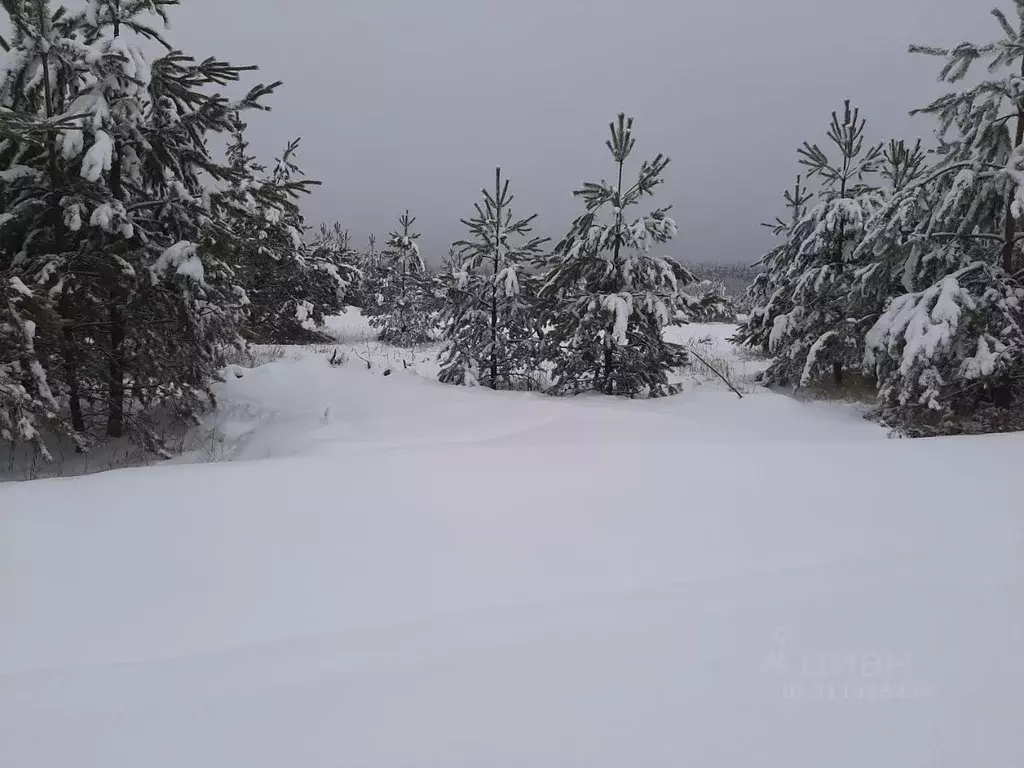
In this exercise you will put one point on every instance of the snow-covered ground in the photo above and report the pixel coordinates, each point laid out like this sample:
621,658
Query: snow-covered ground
391,572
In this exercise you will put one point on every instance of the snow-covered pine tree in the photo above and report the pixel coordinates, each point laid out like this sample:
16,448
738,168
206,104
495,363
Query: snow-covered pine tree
902,165
769,295
435,295
488,324
336,238
445,291
291,287
27,404
336,244
363,293
608,299
713,302
877,276
951,346
372,254
113,219
335,269
451,262
106,151
814,337
28,407
39,54
398,308
359,268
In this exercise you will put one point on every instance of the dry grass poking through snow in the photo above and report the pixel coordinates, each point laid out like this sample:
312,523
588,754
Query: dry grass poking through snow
255,355
713,355
708,360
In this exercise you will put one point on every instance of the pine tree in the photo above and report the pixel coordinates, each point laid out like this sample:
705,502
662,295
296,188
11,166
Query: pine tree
877,277
815,336
110,215
951,341
291,286
335,270
609,301
40,53
27,404
372,254
359,268
769,295
398,309
714,304
488,323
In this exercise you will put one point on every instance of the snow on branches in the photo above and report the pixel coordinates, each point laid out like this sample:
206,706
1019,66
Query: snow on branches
489,328
609,300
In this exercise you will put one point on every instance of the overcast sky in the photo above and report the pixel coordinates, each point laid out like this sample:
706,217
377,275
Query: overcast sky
411,103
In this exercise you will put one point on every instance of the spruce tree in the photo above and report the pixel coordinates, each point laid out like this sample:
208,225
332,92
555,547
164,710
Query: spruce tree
951,342
488,323
608,299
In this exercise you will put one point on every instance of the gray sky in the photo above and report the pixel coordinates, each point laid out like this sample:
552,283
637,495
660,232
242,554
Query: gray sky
411,103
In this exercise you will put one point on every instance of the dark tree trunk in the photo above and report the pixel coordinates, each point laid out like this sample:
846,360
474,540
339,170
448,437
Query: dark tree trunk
1002,396
609,356
401,303
837,374
69,348
69,351
494,341
115,414
494,278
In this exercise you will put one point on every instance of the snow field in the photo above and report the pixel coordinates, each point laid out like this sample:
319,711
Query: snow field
393,572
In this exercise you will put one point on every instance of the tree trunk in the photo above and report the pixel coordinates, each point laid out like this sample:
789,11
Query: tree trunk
69,348
116,394
69,351
401,303
405,268
494,339
837,374
115,414
609,356
494,279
